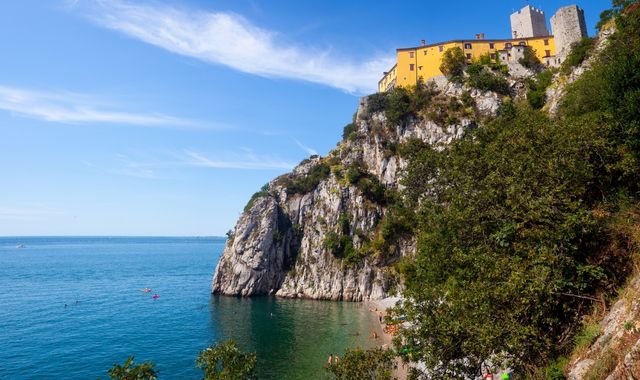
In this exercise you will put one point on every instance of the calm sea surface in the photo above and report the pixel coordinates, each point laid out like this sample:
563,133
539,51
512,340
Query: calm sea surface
71,307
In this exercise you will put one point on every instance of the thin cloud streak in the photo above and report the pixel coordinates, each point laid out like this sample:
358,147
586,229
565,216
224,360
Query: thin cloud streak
307,149
249,161
231,40
65,107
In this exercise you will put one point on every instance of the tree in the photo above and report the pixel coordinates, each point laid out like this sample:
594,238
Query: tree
530,59
453,63
129,371
618,6
358,364
225,361
504,229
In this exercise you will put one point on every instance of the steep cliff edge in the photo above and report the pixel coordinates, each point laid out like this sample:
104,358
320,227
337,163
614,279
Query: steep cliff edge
315,232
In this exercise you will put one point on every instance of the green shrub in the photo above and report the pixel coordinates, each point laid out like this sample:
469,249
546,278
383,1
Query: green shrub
555,369
372,364
536,89
399,106
485,80
340,243
603,366
225,361
366,183
608,14
530,59
129,371
264,191
349,131
453,63
302,184
376,103
579,52
587,335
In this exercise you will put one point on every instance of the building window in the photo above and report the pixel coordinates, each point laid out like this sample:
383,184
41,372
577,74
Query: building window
546,42
491,46
508,45
492,56
440,48
425,52
522,43
419,67
467,46
410,54
468,56
547,53
412,67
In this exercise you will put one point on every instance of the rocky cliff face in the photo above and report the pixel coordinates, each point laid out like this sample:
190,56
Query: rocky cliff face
285,242
615,354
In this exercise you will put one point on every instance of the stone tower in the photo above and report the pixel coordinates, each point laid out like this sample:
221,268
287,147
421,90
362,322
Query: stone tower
568,27
528,22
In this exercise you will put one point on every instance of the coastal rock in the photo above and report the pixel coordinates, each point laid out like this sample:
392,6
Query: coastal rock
282,243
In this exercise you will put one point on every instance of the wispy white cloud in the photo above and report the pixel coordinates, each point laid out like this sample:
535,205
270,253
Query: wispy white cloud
130,168
231,40
307,149
246,160
67,107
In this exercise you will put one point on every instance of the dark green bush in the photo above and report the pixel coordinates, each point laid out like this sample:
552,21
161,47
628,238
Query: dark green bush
376,103
264,191
485,80
349,131
368,184
372,364
453,63
530,59
302,184
579,52
536,89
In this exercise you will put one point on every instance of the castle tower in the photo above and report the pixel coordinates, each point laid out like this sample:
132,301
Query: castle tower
528,22
568,27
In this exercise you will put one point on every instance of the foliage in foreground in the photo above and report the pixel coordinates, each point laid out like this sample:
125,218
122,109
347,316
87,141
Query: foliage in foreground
372,364
225,361
512,223
131,371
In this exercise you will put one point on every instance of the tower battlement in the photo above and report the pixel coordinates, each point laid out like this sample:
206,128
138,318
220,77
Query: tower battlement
528,22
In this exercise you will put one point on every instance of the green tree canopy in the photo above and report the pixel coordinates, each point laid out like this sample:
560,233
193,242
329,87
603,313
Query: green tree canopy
358,364
131,371
453,63
225,361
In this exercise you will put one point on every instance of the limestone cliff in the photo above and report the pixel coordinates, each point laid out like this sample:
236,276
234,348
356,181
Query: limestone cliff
292,238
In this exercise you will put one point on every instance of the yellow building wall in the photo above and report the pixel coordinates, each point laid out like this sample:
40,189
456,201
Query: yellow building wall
388,80
424,61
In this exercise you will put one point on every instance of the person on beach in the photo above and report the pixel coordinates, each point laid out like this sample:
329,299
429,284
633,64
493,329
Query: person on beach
374,334
330,361
336,359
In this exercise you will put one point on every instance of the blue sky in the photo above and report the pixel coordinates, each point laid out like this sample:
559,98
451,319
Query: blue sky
162,118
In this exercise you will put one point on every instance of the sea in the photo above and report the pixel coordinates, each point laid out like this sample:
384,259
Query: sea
72,307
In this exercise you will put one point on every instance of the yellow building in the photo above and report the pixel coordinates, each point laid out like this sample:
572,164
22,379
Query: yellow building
423,62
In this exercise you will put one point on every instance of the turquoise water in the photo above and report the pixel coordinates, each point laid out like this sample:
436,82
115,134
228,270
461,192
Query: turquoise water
72,307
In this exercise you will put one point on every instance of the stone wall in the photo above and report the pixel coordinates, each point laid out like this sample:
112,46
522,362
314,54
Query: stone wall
528,22
568,27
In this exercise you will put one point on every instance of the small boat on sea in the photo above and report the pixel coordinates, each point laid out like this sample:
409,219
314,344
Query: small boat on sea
155,296
20,246
145,290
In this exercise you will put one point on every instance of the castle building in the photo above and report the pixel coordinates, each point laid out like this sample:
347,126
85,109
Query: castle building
528,22
528,27
568,27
